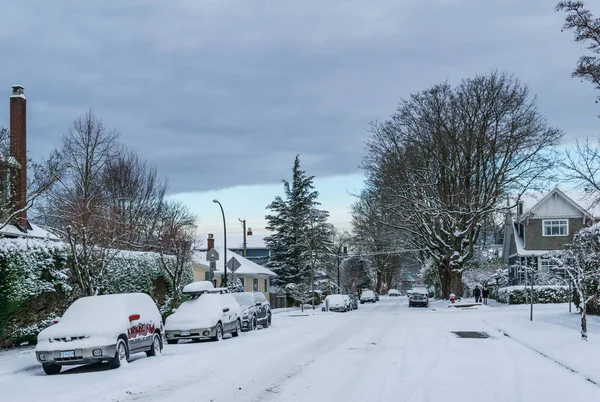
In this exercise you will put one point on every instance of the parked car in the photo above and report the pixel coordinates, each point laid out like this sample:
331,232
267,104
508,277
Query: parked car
336,303
256,310
107,328
419,296
367,296
348,302
353,301
393,293
209,314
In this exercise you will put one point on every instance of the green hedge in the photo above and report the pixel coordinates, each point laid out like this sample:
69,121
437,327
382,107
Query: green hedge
541,294
36,284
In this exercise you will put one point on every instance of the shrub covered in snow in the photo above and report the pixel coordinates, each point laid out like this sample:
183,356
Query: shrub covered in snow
541,294
36,284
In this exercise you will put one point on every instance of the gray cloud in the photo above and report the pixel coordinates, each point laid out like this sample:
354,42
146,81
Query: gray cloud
218,93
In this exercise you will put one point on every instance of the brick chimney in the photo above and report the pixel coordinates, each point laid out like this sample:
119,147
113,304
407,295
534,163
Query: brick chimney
211,242
18,150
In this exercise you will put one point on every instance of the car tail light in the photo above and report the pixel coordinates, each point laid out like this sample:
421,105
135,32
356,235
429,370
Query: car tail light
134,317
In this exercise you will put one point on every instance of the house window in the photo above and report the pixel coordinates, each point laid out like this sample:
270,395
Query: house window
255,284
547,266
266,285
559,227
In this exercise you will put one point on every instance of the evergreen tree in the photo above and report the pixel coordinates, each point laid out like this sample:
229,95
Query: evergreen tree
300,229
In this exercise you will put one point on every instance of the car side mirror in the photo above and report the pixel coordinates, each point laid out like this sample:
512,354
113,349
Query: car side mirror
134,317
56,320
225,309
258,304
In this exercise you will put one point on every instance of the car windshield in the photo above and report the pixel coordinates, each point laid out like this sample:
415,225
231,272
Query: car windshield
244,299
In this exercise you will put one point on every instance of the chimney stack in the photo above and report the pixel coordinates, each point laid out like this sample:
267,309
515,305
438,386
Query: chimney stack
211,242
18,150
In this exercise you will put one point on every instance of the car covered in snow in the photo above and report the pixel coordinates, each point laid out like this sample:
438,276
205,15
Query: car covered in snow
353,301
256,310
337,303
107,328
210,313
419,296
393,293
368,296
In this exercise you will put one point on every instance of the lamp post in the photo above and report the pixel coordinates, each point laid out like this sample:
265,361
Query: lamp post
338,263
224,283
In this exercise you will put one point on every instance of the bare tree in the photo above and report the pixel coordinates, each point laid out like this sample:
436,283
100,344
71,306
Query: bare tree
175,242
587,30
446,158
581,263
43,175
76,204
134,194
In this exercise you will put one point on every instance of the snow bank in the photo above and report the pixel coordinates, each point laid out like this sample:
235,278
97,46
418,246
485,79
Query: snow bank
541,294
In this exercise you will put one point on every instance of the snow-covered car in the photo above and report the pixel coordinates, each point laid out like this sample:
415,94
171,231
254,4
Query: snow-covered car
353,301
101,328
393,293
419,296
336,303
367,296
256,310
209,314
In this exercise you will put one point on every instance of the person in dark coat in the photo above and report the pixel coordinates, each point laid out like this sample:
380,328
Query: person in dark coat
476,293
485,293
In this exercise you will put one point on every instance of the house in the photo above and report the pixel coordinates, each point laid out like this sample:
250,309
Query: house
254,277
13,175
256,250
541,226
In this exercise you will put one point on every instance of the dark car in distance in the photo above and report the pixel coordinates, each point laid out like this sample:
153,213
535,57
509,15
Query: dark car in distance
256,310
419,296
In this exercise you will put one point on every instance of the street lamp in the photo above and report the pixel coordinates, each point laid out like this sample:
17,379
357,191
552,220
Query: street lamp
338,263
224,283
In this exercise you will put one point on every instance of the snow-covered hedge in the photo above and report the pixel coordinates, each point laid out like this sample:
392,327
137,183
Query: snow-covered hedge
36,284
541,294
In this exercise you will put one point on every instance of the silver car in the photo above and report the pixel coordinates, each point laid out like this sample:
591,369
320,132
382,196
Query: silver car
96,329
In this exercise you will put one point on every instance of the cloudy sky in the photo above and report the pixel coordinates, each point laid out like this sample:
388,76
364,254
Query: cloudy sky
222,94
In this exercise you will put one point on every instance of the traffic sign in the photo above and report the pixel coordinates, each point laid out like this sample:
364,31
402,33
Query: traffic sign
212,255
233,264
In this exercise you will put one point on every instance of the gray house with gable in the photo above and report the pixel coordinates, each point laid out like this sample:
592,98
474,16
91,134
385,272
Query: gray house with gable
541,226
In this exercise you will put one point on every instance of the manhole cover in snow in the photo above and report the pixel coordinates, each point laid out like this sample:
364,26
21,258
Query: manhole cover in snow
471,334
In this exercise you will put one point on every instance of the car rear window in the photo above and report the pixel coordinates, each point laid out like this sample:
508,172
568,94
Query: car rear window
244,299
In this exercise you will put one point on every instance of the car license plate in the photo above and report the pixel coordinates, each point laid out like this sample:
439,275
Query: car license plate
185,333
67,353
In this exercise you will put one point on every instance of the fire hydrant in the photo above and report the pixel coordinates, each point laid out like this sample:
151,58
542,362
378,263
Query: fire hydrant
452,298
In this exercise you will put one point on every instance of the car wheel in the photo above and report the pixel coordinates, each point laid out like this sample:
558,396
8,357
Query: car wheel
156,347
219,335
51,369
238,329
254,323
172,341
120,355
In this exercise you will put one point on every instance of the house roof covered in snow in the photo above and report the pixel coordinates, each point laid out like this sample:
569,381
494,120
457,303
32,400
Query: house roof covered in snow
247,267
586,202
35,232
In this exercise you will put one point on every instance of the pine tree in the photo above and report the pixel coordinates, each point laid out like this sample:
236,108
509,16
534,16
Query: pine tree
300,229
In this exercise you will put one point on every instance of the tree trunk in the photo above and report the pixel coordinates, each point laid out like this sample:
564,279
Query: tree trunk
378,283
583,320
457,285
445,280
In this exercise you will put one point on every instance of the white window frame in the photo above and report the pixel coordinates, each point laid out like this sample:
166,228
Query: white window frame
546,265
550,223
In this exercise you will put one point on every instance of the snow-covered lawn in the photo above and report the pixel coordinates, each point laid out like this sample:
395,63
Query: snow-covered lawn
380,352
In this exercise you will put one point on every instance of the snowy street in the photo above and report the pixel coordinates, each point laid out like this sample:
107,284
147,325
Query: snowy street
380,352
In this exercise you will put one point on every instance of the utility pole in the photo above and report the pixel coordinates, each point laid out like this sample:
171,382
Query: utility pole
224,281
244,227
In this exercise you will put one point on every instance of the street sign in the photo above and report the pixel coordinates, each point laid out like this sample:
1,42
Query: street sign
212,255
233,264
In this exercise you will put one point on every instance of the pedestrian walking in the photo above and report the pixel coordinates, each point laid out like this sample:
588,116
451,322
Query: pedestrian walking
476,293
485,293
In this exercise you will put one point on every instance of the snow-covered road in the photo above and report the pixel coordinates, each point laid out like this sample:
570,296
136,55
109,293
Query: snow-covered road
381,352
